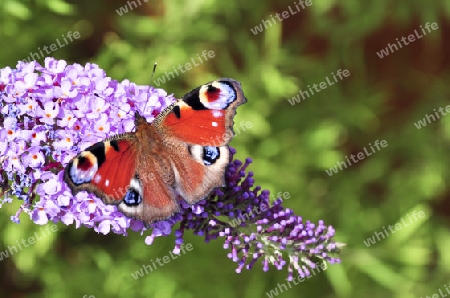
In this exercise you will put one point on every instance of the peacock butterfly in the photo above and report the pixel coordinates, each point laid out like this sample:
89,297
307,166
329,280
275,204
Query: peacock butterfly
182,152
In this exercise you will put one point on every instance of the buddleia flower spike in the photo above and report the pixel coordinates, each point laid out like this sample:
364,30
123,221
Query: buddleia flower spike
49,113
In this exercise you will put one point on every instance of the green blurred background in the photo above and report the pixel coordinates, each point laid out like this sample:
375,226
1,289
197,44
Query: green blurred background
291,146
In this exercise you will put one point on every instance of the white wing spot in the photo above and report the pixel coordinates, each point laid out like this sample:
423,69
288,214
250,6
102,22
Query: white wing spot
217,114
97,178
107,182
214,124
91,174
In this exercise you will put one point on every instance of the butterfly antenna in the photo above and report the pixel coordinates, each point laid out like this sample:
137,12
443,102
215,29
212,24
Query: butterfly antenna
153,72
151,81
96,95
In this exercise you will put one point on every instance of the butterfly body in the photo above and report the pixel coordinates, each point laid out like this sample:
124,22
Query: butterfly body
182,152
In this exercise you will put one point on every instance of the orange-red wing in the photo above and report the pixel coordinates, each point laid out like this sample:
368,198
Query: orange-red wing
114,175
104,169
205,115
202,127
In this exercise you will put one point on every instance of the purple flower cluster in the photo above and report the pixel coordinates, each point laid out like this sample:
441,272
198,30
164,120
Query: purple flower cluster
255,229
49,113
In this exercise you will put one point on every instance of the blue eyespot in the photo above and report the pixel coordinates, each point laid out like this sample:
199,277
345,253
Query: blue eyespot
132,197
210,155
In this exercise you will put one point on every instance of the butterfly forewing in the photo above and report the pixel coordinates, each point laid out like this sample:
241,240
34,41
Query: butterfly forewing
205,115
106,168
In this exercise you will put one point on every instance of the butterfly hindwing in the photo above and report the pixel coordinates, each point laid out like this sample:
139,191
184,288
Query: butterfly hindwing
198,169
149,196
